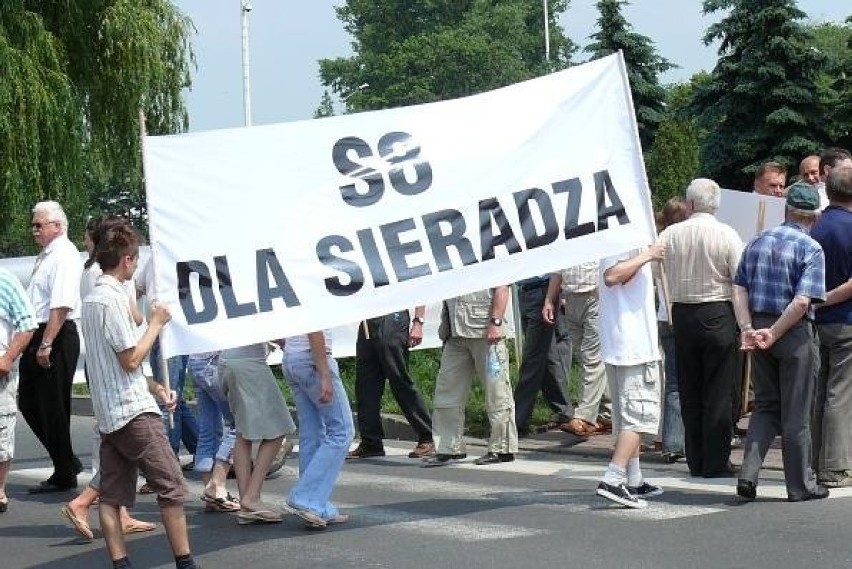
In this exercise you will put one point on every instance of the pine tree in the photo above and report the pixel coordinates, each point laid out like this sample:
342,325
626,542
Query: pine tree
763,101
644,65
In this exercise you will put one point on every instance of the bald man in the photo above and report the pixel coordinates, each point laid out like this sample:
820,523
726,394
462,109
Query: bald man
809,169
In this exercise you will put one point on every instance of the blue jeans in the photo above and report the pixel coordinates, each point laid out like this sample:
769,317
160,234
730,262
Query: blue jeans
213,409
672,421
325,433
186,427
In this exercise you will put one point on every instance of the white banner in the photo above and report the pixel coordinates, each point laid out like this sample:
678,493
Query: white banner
277,230
750,213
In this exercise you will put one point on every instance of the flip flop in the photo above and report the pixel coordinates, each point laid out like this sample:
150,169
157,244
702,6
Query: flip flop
338,519
82,526
138,526
4,505
214,504
313,520
245,517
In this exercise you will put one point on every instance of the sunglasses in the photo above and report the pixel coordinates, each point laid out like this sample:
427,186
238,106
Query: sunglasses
37,225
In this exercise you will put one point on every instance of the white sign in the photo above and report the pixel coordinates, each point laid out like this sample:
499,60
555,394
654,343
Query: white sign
742,211
278,230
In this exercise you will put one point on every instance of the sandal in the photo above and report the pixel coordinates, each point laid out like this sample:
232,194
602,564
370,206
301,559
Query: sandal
258,517
311,519
215,504
80,525
138,526
4,505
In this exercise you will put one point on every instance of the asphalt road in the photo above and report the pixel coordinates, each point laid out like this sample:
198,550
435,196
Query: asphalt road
539,511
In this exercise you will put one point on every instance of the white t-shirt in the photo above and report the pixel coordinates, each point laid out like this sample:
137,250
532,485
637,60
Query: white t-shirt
628,323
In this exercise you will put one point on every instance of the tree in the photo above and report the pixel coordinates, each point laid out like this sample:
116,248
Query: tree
673,160
763,101
835,42
326,106
73,77
419,51
643,63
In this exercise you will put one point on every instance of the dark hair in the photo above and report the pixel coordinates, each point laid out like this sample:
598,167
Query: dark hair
831,156
116,241
96,227
675,211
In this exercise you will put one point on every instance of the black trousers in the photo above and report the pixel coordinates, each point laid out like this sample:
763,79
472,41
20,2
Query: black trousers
44,398
707,364
385,356
540,361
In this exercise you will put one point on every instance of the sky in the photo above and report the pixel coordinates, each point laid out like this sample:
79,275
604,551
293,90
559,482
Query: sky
288,38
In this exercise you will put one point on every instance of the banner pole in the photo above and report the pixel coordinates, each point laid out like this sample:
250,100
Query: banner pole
163,363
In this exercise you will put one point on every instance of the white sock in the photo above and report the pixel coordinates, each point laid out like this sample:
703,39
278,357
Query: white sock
614,475
634,473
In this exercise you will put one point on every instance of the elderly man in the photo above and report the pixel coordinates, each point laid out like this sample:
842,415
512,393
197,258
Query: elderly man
472,332
49,362
17,324
781,274
832,439
832,157
770,179
702,259
809,169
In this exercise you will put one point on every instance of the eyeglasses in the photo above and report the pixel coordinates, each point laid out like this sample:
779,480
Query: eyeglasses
37,225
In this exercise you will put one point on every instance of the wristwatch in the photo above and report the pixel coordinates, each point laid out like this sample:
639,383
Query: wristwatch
497,321
418,320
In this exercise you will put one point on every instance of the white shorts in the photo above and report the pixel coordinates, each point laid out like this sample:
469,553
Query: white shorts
7,436
635,392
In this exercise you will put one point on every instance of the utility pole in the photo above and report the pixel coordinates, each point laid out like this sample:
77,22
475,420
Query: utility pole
546,31
245,8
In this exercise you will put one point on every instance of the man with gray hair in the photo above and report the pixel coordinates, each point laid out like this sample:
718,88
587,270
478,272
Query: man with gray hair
48,364
832,437
700,264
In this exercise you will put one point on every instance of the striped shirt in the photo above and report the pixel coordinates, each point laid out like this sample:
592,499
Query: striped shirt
779,264
118,396
702,255
580,278
16,315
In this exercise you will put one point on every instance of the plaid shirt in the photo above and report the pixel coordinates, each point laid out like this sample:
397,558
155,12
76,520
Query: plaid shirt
779,264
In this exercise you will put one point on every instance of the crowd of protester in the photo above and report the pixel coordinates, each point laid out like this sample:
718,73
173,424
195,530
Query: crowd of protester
665,336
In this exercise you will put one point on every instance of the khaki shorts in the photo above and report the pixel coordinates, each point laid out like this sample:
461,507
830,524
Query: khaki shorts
635,392
140,443
7,436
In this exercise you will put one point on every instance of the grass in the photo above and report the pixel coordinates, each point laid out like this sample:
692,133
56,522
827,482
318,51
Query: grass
423,366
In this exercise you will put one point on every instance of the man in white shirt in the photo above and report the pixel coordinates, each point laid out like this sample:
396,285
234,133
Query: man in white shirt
48,364
629,348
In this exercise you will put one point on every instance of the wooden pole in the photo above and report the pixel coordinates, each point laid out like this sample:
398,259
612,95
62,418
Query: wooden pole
746,382
163,363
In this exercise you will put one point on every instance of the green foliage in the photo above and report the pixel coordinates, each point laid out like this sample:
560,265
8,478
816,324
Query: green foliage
643,63
764,99
418,51
326,106
673,160
835,41
73,77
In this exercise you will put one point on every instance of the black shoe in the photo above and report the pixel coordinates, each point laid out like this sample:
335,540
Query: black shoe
77,466
494,458
441,459
821,492
646,490
49,487
746,489
673,457
621,495
362,451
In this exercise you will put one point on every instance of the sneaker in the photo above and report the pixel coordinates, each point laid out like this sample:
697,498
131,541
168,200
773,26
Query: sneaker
362,451
835,478
645,490
280,457
423,450
621,495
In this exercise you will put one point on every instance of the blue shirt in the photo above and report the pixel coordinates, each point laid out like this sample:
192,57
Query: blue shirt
834,232
779,264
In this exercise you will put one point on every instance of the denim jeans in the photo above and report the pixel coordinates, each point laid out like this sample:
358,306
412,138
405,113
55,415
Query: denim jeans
325,433
672,421
213,409
186,427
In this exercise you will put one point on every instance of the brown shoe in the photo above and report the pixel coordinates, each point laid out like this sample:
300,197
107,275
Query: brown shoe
362,451
604,426
577,426
423,450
